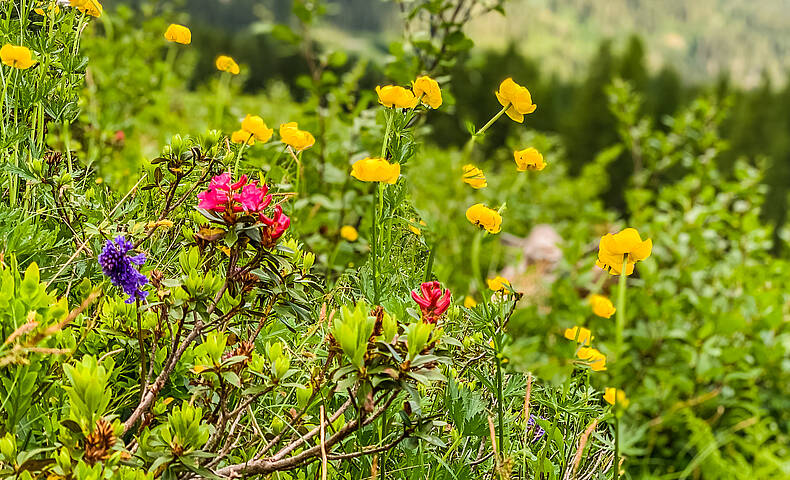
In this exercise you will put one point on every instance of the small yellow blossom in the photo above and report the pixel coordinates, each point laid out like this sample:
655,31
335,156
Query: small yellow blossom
349,233
529,159
395,96
584,335
16,56
498,283
474,177
469,302
609,396
375,170
53,9
602,306
427,91
297,139
594,358
227,64
517,98
240,136
485,217
88,7
178,34
626,244
414,229
253,124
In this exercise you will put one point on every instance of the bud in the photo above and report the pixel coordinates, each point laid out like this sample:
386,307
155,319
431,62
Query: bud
277,425
307,262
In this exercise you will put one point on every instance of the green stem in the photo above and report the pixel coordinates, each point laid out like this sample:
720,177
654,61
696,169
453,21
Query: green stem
376,248
500,402
429,264
620,327
222,97
386,141
491,122
238,155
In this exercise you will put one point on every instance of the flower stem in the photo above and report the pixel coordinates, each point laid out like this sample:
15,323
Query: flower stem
386,141
491,122
238,155
375,248
619,327
499,399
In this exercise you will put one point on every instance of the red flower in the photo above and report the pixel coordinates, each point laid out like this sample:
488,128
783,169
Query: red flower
432,300
224,196
275,226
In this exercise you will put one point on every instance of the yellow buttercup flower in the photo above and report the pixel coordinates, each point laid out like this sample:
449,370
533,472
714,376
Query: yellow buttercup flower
602,306
584,335
594,358
178,34
397,97
375,170
349,233
613,248
253,124
529,159
469,302
240,136
53,8
225,63
414,229
297,139
474,177
16,56
485,217
88,7
610,394
427,91
498,283
516,98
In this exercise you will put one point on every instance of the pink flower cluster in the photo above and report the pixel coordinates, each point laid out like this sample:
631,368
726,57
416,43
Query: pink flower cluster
230,198
432,300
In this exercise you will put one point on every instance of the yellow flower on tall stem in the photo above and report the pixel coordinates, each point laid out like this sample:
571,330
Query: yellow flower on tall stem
393,96
625,247
498,283
375,170
18,57
616,396
88,7
297,139
255,126
349,233
593,357
427,91
579,334
225,63
474,177
240,136
516,100
178,34
529,159
602,306
485,217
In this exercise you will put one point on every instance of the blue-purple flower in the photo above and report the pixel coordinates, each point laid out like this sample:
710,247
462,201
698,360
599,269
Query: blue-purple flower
120,267
538,431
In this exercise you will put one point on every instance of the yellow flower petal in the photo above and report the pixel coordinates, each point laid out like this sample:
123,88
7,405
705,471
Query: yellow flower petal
376,170
178,34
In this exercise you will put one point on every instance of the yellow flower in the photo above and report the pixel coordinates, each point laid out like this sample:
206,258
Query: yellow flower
16,57
469,302
626,244
414,229
297,139
485,217
517,98
349,233
240,136
584,335
88,7
427,91
227,64
497,283
595,358
253,124
529,159
375,170
398,97
602,306
474,177
609,396
178,34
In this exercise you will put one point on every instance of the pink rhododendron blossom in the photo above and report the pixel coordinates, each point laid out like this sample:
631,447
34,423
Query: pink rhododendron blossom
275,226
224,196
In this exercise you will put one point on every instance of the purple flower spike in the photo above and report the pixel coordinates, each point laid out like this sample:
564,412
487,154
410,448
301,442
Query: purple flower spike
116,264
539,432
